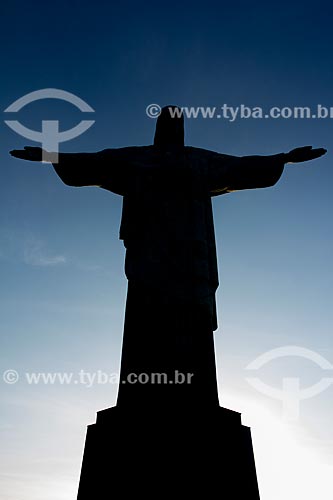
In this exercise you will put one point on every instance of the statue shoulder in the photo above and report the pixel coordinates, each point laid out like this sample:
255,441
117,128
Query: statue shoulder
205,155
132,155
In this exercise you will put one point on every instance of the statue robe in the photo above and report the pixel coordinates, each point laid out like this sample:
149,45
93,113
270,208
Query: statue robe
168,231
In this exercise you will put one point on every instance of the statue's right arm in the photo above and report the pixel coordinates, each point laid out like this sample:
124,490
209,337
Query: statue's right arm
109,169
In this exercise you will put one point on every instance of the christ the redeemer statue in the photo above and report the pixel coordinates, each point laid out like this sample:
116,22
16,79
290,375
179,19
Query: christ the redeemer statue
171,266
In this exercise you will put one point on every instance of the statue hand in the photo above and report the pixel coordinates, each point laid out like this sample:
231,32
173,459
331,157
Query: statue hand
304,154
28,153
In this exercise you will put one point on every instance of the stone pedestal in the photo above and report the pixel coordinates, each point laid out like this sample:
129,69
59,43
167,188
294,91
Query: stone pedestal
176,454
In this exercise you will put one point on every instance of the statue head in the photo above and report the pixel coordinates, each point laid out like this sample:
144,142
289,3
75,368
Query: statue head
169,131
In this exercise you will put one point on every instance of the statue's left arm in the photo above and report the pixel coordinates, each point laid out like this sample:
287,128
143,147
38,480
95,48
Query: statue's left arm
231,173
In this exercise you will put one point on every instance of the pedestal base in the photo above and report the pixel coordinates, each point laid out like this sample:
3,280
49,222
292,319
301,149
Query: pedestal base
174,453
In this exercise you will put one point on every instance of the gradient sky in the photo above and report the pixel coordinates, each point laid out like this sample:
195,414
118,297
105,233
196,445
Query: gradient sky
62,283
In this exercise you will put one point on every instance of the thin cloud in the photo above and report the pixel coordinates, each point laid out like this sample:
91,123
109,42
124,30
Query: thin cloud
25,246
35,254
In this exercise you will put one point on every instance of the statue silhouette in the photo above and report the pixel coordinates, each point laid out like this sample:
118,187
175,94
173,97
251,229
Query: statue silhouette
168,231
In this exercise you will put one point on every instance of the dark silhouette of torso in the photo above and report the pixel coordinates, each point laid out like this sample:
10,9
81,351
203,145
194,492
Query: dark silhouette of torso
168,231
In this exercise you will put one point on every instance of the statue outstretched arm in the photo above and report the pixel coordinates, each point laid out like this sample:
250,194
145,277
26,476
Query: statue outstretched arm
232,173
109,169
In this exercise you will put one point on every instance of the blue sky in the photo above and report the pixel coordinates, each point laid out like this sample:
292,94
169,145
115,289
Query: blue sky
62,283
